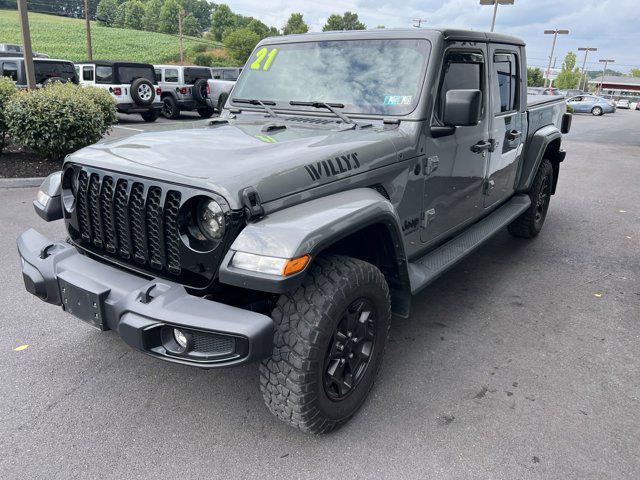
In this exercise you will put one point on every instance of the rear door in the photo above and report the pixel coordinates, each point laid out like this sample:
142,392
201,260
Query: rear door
454,169
507,123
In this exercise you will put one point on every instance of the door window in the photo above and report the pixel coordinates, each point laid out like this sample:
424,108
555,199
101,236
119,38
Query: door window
171,75
505,67
10,69
104,74
158,74
462,70
87,74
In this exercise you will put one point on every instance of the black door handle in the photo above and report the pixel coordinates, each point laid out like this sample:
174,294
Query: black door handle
483,145
513,135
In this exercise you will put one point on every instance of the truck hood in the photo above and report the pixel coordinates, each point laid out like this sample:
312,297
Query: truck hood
228,157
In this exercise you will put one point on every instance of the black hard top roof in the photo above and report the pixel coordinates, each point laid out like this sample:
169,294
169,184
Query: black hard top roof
427,33
115,63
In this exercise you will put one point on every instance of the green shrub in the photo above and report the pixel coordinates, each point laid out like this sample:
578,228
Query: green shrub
104,101
57,120
209,59
7,90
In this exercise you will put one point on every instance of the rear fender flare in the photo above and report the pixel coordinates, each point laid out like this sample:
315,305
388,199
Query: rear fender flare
537,147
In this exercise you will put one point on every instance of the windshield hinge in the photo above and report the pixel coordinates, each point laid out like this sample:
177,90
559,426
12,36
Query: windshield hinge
251,202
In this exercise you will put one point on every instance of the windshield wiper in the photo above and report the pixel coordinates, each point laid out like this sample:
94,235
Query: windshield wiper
329,106
263,103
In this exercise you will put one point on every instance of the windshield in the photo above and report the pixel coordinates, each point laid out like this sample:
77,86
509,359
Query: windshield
46,70
366,76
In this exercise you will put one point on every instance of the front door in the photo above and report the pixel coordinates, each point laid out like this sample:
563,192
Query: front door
454,170
507,123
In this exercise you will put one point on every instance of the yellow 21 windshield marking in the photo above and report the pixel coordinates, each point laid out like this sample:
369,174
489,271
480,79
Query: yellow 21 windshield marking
261,54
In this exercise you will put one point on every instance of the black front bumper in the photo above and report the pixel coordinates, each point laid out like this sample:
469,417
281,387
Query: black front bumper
142,310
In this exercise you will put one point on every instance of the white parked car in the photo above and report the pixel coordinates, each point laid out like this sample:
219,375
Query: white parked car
131,84
183,88
623,103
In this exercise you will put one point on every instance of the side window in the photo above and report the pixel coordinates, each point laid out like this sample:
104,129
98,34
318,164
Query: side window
171,75
158,74
229,75
505,69
87,73
104,74
10,69
216,73
461,71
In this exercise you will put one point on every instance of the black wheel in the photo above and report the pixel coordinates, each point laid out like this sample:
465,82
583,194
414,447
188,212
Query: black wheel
222,101
328,344
150,116
529,224
200,91
205,112
142,92
170,107
596,111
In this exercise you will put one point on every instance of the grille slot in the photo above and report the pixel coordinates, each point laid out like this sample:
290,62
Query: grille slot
130,221
213,344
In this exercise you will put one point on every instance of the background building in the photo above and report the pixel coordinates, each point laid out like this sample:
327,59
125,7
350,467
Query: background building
617,87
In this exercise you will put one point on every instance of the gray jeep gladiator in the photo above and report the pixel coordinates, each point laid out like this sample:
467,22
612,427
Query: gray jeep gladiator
347,172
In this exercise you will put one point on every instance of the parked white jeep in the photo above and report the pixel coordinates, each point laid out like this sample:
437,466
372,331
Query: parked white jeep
183,88
132,85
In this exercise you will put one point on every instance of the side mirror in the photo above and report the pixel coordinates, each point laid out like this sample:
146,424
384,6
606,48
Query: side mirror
462,108
48,203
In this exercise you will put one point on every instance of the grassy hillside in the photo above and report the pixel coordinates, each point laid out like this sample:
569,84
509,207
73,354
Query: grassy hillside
62,37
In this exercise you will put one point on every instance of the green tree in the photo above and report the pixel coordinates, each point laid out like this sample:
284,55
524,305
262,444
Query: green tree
295,24
169,16
151,19
635,72
201,10
534,77
380,26
134,14
273,32
240,43
222,20
120,16
334,22
258,28
106,11
569,74
190,26
351,22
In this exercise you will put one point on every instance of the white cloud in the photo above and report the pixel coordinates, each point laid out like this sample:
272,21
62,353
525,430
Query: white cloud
610,25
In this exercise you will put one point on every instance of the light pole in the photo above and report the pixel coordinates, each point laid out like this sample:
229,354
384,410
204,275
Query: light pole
586,50
606,61
418,22
495,8
26,45
555,34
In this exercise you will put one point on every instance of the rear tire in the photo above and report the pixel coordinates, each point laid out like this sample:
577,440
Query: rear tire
150,116
597,111
529,224
328,344
170,108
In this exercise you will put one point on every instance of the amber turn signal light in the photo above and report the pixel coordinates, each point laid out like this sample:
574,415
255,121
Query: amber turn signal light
295,265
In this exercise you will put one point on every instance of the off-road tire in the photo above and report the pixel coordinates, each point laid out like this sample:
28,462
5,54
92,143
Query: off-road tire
199,90
135,94
292,380
170,108
529,224
597,111
222,101
205,112
150,116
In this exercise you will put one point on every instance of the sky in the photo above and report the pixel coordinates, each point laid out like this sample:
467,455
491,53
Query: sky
612,26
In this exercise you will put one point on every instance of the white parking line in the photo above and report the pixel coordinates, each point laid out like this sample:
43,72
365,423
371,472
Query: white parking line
128,128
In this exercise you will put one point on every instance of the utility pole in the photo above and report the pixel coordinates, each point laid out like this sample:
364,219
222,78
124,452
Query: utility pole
586,50
555,34
418,22
180,15
26,45
606,61
495,8
88,25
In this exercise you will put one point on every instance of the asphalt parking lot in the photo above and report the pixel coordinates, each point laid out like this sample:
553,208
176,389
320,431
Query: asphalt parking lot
521,363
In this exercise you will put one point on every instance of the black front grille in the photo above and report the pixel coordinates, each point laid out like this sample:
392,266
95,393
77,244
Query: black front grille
213,344
134,221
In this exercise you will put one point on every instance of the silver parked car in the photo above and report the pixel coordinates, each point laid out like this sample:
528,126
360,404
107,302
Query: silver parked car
591,104
623,103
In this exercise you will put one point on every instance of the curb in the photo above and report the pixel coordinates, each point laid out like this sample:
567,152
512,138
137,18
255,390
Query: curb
21,182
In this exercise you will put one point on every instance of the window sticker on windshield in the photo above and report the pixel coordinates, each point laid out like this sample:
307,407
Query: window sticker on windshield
263,59
398,99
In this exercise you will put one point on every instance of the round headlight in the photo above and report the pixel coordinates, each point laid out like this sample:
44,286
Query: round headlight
211,219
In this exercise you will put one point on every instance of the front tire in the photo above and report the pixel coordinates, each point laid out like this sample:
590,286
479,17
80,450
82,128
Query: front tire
328,344
529,224
597,111
205,112
150,116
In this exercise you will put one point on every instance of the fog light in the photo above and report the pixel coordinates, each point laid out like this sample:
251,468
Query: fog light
180,337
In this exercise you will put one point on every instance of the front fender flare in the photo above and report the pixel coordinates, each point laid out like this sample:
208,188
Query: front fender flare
309,228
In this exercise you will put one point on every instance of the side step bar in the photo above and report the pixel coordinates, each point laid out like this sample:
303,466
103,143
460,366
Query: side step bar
426,269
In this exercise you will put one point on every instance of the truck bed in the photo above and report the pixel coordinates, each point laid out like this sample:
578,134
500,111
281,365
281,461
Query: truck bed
536,100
